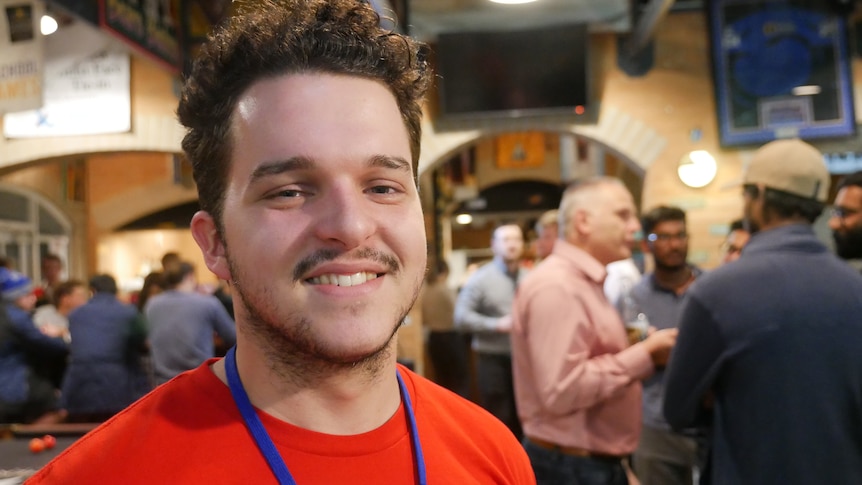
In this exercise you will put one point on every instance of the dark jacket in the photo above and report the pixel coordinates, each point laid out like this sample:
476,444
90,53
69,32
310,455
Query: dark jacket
21,344
776,338
104,374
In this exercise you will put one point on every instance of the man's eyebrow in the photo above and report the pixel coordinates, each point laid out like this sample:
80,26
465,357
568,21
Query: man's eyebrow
304,163
280,166
386,161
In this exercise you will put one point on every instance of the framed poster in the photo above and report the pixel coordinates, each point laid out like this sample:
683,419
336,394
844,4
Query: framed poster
781,70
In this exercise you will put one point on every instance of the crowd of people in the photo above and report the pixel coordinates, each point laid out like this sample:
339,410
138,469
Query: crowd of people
72,351
666,407
746,374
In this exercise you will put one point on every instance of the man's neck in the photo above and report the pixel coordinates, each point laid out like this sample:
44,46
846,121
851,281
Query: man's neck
346,402
512,267
676,280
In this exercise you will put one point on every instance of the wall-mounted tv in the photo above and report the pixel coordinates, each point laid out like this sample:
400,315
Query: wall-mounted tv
514,73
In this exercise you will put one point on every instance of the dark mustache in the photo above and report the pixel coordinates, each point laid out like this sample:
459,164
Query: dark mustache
324,255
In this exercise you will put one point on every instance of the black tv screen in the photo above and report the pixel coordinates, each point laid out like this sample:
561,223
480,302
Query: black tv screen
513,73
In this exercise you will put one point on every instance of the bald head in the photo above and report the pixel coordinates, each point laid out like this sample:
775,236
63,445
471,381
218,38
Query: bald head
598,215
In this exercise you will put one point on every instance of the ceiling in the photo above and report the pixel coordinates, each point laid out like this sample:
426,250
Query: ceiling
427,18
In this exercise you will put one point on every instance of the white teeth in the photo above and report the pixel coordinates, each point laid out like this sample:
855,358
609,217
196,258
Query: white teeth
343,280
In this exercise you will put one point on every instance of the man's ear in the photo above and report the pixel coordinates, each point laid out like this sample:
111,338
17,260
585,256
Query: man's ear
206,234
581,222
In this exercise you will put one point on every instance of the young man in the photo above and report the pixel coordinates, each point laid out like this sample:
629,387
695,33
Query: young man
182,322
846,220
304,128
768,347
484,307
577,379
663,457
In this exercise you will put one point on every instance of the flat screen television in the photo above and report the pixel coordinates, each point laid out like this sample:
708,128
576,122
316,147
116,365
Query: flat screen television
513,73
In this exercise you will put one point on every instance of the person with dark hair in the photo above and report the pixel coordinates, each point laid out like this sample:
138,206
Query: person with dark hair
304,122
104,374
846,219
154,283
52,275
170,260
183,324
53,320
446,346
768,347
663,457
738,234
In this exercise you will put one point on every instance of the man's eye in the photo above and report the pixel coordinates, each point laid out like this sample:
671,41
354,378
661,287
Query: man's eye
288,193
382,189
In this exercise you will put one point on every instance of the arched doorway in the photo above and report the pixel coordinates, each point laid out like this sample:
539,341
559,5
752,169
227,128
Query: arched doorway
30,228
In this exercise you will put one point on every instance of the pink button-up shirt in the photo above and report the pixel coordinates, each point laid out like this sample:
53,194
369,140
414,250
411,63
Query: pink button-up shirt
577,380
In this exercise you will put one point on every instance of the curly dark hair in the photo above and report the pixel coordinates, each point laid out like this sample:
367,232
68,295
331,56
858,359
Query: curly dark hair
269,38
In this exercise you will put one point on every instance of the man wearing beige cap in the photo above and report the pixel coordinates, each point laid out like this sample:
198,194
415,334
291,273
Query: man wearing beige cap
768,349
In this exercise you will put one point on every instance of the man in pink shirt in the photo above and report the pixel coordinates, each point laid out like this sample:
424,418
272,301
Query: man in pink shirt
577,378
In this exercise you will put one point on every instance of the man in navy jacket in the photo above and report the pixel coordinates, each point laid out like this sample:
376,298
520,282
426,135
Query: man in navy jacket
769,345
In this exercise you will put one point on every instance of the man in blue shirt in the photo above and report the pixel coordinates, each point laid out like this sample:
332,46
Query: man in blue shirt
663,457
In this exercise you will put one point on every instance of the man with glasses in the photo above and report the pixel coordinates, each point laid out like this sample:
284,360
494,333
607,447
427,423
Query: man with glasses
768,349
737,237
846,220
663,457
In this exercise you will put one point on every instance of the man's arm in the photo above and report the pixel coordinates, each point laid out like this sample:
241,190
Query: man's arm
560,337
693,367
467,316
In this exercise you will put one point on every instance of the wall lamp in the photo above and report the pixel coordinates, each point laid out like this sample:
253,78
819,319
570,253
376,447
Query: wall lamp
697,168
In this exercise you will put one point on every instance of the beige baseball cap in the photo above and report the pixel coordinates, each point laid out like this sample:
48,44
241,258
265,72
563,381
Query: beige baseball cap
791,166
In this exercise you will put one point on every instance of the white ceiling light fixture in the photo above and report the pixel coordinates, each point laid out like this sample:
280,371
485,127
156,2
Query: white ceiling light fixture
697,168
48,25
512,2
464,219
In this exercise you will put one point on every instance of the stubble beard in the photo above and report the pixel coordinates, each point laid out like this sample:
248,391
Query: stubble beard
848,245
289,343
661,265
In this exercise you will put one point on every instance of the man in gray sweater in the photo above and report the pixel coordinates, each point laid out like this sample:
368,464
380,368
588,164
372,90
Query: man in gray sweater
484,307
182,324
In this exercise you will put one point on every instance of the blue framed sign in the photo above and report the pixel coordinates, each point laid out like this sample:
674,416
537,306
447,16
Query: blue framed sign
781,70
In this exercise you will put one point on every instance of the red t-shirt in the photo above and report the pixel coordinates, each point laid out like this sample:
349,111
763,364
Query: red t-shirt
190,431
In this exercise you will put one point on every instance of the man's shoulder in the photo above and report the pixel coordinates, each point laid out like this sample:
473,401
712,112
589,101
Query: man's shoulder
168,420
450,412
476,439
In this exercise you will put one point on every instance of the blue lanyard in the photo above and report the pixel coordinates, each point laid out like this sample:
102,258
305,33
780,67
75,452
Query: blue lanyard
267,447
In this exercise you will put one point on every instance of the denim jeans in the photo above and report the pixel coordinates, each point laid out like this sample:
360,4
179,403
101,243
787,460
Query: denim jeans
555,468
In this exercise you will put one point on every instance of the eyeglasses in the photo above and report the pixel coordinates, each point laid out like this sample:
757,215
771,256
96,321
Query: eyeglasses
728,248
663,237
843,212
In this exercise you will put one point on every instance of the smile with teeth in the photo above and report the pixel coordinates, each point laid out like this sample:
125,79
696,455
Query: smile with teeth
342,280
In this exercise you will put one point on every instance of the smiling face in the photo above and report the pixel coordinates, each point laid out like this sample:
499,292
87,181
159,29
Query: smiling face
324,237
